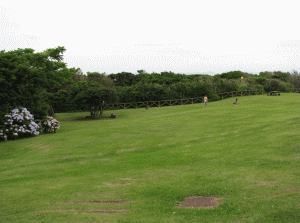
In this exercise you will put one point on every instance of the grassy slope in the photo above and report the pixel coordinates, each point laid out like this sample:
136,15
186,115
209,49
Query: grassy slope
150,160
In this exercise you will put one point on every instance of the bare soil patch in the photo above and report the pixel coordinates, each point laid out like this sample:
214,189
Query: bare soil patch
100,201
125,150
265,183
92,194
200,202
104,211
84,212
133,179
116,184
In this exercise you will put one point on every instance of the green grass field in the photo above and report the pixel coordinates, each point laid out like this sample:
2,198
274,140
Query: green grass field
141,165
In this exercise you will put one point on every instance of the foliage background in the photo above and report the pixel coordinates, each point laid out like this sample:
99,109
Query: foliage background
40,80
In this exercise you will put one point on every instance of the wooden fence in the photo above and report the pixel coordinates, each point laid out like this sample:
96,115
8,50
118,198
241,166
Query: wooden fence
147,104
240,93
295,90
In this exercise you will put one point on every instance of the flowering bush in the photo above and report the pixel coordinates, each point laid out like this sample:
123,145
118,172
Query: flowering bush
50,125
19,124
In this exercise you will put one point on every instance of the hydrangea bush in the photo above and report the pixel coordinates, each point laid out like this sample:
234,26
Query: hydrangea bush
50,125
19,124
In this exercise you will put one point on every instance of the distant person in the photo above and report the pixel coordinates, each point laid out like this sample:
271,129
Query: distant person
235,101
205,99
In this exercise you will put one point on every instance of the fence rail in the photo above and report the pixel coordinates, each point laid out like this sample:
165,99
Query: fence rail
295,90
147,104
240,93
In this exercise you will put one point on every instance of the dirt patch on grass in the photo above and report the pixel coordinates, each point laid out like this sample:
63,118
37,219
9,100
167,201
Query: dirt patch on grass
200,202
100,201
125,150
103,211
133,179
93,194
83,212
82,156
116,184
265,183
54,211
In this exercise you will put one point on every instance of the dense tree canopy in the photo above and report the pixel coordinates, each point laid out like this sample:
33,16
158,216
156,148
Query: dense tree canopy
26,77
40,80
95,95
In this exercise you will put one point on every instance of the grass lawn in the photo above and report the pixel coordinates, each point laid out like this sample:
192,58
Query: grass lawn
141,165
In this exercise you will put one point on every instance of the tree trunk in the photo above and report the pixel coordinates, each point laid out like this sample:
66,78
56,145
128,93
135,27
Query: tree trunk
91,110
101,111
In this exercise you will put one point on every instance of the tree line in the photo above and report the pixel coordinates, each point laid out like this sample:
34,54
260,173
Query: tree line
40,81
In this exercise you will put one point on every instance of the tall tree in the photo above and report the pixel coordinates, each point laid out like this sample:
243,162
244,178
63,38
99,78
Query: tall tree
232,74
122,79
26,77
95,95
100,78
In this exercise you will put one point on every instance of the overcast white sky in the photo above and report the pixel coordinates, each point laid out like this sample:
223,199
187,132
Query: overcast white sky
185,36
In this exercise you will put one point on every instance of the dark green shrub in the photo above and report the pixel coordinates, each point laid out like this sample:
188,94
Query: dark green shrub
213,97
242,87
258,86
